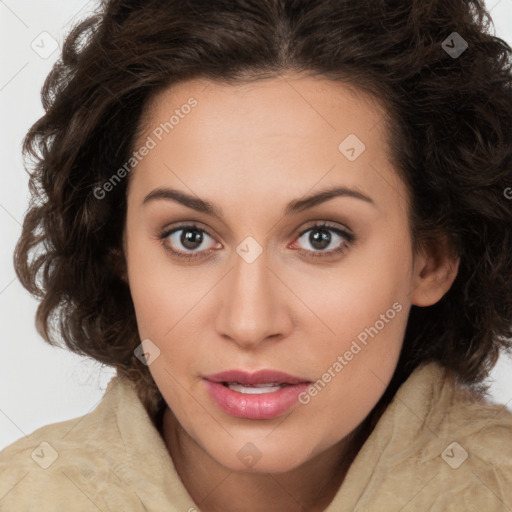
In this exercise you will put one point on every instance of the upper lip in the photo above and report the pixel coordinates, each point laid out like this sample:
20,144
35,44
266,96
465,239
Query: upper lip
259,377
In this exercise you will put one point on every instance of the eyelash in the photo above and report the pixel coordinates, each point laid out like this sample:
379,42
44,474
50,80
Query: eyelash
349,240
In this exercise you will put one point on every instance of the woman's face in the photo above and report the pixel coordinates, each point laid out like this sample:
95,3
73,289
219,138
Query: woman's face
264,289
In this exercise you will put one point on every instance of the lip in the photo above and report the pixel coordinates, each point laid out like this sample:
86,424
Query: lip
259,377
262,406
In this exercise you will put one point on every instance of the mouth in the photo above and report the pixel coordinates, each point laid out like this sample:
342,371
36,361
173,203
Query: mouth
265,394
254,389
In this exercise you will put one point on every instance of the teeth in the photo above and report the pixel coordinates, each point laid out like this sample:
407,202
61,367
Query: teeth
255,389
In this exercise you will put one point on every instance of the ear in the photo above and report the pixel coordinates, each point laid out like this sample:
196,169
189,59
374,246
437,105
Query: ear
435,268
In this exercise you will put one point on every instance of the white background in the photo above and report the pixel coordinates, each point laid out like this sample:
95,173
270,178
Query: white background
40,384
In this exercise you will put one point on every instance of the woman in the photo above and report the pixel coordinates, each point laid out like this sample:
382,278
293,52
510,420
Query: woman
286,224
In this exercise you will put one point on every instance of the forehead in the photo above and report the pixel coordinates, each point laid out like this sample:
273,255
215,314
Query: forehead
270,106
291,131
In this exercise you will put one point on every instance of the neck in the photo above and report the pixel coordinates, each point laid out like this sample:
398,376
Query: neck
310,487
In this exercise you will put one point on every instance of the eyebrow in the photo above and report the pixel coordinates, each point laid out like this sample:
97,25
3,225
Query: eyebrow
294,206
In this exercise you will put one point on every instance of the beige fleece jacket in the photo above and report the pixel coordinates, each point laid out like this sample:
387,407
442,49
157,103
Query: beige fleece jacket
436,448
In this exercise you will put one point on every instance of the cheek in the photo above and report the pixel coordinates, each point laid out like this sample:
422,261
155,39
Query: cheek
161,291
365,306
163,299
352,297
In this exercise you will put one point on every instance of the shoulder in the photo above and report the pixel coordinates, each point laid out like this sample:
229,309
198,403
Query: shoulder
464,450
438,446
484,427
471,451
71,465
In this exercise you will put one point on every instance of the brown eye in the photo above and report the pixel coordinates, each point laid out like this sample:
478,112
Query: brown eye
187,241
322,236
191,238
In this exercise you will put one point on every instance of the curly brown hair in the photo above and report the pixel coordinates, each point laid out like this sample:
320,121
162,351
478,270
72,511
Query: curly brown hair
449,126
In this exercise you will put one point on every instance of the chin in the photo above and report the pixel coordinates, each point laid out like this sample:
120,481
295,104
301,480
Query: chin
260,457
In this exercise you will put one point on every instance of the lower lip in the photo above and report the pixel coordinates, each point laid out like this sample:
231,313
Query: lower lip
254,407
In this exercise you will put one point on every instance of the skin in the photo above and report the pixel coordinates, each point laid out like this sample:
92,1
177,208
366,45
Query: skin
250,149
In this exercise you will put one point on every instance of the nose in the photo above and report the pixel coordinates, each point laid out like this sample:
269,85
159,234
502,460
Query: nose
253,309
